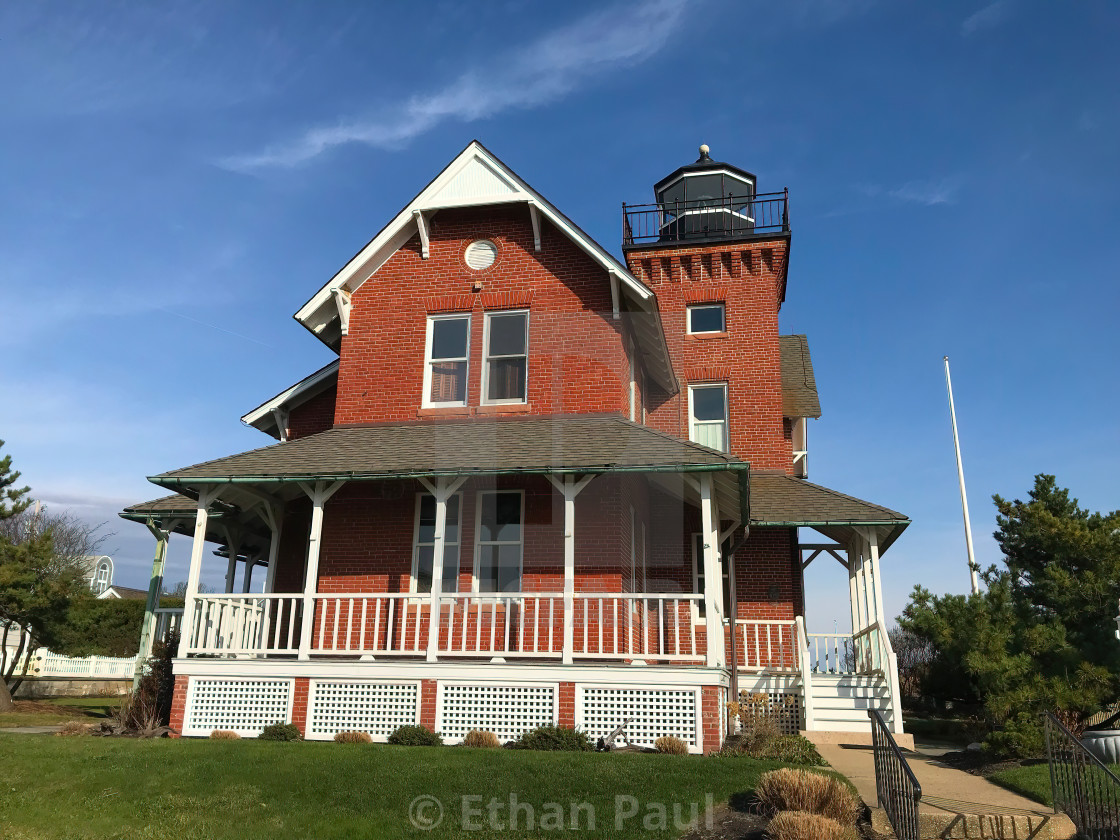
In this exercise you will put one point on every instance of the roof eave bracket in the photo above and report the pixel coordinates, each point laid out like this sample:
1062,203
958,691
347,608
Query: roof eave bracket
342,303
422,229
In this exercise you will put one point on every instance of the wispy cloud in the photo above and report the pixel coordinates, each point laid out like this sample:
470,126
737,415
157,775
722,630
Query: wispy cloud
929,193
988,17
543,71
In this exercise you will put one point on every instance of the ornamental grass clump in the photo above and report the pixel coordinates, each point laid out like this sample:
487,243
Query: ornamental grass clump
800,790
670,745
224,735
280,732
482,739
352,738
75,727
414,736
801,825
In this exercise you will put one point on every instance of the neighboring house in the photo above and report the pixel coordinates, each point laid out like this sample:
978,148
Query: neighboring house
126,593
98,572
536,486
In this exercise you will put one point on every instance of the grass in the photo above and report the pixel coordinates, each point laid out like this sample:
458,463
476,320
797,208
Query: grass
110,788
1029,780
58,710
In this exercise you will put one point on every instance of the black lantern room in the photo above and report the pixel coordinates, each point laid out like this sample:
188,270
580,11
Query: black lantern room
706,200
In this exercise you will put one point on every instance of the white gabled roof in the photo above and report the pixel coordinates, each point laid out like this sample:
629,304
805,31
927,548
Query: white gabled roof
262,417
474,178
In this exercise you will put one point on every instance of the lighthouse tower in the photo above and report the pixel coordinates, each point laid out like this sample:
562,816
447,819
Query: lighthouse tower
716,253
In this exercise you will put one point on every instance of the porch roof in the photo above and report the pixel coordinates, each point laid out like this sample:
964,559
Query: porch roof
176,513
778,499
478,446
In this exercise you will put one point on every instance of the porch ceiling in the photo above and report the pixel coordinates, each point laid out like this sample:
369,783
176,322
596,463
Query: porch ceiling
177,513
777,499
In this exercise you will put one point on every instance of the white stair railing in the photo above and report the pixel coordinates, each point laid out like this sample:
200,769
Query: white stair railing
806,674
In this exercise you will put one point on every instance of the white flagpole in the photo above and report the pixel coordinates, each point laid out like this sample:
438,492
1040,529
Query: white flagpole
964,496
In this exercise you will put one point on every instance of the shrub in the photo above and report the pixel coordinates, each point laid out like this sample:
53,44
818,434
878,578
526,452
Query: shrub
794,749
352,738
224,735
1019,737
75,727
280,732
800,825
554,738
415,736
481,738
671,746
800,790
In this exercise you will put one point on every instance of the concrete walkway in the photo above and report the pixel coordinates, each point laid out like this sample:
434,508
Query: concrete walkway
30,730
954,804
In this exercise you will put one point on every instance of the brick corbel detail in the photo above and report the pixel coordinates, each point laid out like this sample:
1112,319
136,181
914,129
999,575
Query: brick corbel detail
710,292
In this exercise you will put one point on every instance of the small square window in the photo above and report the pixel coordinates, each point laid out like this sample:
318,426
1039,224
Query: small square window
706,318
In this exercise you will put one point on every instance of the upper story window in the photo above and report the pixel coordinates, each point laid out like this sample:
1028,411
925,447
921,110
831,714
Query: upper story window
101,578
424,541
707,415
505,368
500,537
445,366
707,318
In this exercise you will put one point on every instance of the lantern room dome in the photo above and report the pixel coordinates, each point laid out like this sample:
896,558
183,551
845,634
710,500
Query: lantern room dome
704,180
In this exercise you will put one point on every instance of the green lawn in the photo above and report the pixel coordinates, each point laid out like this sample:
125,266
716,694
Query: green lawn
58,710
1031,781
107,788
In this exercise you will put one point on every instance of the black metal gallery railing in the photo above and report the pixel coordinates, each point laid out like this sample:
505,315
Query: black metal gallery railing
1082,785
705,219
895,783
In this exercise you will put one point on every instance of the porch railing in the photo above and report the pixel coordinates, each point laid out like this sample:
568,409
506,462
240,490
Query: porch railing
245,624
637,626
859,653
767,645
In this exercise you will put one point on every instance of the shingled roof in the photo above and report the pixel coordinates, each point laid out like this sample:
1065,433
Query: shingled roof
799,388
780,499
567,443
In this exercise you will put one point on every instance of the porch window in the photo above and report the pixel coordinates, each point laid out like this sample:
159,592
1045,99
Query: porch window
424,547
706,318
505,370
445,368
698,575
500,537
707,412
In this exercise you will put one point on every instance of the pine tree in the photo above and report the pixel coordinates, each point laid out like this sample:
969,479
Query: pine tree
13,499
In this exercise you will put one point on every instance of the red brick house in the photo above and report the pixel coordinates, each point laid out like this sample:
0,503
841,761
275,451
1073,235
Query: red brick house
535,486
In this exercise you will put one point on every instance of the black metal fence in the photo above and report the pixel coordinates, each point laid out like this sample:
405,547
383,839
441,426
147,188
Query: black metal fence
897,786
1081,784
705,219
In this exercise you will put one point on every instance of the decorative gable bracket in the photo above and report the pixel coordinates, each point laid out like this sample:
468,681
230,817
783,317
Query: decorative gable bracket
342,301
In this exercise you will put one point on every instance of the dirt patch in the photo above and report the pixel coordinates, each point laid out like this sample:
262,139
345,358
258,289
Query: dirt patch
728,823
979,763
41,707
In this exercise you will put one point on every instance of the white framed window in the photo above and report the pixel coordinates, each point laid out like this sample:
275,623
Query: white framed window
445,360
707,415
424,543
500,538
102,577
698,577
707,318
505,364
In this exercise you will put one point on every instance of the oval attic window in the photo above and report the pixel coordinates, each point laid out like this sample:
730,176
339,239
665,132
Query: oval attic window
481,254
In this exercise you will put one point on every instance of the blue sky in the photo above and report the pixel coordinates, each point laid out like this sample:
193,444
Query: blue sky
178,178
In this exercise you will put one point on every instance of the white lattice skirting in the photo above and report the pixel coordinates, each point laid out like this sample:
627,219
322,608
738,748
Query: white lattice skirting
506,710
653,713
356,706
245,706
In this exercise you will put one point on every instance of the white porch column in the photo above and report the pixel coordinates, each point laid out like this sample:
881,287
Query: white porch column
441,491
233,543
713,574
206,497
569,488
878,612
319,494
247,583
274,518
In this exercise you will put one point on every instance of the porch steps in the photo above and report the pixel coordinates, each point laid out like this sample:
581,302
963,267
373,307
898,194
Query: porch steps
841,701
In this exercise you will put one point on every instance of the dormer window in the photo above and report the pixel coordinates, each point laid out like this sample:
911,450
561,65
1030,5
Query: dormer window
505,368
445,368
102,576
706,318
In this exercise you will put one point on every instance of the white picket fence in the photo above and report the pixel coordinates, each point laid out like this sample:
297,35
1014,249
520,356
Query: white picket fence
47,664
